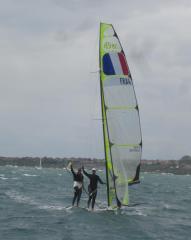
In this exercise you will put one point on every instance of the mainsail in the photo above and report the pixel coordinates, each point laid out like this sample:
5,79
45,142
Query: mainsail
120,114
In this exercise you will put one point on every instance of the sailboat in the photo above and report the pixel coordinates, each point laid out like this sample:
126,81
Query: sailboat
40,164
120,118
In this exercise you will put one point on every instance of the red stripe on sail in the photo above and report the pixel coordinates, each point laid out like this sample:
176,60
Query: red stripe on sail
123,63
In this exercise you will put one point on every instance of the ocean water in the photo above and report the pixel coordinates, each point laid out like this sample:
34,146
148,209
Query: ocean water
34,205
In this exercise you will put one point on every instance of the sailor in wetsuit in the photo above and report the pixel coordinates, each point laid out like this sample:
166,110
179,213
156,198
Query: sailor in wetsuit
92,187
78,184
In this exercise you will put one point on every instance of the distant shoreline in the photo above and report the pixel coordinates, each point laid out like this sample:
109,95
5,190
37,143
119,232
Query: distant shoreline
181,167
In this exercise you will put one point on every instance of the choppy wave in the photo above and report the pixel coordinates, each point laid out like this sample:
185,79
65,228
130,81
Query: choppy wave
2,176
30,175
20,198
159,209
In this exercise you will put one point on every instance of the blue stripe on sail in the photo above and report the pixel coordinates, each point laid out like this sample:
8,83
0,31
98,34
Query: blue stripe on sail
116,63
108,68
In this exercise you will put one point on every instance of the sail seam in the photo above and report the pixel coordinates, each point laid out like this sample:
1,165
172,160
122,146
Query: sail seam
126,145
121,108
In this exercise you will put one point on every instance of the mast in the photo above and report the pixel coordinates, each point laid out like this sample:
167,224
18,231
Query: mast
103,119
106,134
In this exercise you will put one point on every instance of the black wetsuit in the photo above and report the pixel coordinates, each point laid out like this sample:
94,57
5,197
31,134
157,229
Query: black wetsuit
78,177
92,187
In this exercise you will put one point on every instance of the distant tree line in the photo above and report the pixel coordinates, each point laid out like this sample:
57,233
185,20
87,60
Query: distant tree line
182,166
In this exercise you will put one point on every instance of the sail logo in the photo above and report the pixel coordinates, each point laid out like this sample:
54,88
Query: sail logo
110,46
125,81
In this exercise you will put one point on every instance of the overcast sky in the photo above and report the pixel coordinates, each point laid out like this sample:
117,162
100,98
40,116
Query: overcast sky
49,99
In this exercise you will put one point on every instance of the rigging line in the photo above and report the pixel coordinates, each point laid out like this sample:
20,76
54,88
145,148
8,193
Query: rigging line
97,119
95,71
94,110
90,194
85,189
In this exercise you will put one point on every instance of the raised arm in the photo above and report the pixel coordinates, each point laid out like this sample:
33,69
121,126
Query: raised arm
85,173
72,170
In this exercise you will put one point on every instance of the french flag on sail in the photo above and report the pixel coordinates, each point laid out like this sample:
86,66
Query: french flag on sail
115,64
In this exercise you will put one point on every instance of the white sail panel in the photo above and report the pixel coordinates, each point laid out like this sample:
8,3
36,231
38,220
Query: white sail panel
108,32
119,154
120,176
115,87
124,127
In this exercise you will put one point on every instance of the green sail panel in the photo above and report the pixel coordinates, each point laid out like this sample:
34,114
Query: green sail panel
121,123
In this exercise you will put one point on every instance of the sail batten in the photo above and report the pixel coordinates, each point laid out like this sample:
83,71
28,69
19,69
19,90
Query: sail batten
120,117
121,108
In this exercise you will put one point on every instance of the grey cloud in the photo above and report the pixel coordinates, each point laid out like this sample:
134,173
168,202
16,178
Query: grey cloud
48,97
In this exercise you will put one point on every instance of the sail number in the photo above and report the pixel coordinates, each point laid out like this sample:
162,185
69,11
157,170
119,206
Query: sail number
109,45
125,81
